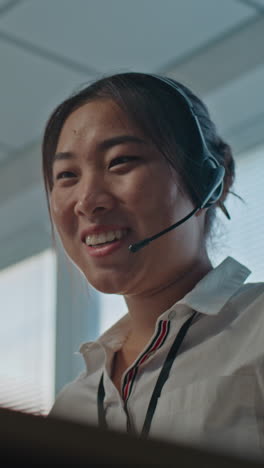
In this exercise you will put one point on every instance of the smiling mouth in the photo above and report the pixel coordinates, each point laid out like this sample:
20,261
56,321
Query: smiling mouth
105,238
103,243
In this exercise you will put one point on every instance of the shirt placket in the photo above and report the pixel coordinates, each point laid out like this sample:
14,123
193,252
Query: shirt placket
130,376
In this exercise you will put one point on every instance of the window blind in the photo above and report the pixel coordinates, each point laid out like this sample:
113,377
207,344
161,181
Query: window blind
27,347
243,236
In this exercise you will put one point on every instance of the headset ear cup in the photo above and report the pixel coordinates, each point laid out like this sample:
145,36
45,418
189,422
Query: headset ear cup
214,186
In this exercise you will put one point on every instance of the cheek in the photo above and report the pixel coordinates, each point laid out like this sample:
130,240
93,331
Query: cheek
156,195
151,185
61,214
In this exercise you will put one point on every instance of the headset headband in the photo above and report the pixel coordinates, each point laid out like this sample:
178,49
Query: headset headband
211,172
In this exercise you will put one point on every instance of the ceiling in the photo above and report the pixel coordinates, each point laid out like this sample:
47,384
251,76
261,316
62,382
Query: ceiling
50,47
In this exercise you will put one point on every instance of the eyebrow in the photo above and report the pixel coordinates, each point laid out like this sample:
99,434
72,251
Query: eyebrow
103,145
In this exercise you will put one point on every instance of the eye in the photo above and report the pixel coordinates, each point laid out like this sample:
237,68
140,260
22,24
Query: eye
64,175
123,160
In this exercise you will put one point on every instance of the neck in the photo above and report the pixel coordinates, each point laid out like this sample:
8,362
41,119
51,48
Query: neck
145,308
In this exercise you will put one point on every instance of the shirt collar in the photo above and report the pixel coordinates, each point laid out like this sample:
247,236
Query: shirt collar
214,290
208,297
109,342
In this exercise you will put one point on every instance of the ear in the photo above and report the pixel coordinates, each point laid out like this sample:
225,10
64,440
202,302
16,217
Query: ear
201,211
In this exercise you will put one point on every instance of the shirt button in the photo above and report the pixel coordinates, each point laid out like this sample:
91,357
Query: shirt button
172,314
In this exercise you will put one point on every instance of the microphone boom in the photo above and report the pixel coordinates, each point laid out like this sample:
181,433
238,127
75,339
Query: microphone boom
139,245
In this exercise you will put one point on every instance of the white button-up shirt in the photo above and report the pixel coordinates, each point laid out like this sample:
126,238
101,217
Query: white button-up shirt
214,396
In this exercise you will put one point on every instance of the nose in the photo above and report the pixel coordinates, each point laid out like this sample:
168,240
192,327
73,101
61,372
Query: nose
93,198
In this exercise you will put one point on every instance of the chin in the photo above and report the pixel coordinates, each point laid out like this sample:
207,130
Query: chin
107,285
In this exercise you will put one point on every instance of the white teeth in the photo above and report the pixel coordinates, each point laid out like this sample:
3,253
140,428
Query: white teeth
119,234
103,237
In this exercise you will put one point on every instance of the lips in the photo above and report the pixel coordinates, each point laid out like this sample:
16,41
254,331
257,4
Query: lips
105,237
101,236
105,249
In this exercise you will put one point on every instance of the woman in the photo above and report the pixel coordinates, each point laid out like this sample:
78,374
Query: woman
135,157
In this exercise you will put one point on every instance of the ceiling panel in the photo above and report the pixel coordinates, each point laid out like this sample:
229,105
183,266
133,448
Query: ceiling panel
238,109
259,2
4,3
5,150
3,155
30,88
121,34
225,60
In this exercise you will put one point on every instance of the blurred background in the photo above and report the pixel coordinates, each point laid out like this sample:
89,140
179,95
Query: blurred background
48,48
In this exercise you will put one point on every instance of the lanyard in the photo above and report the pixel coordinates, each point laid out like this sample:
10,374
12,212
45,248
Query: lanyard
163,376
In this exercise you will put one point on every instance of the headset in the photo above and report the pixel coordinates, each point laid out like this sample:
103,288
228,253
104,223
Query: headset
208,171
211,174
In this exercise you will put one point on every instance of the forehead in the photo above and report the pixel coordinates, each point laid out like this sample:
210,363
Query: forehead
96,120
